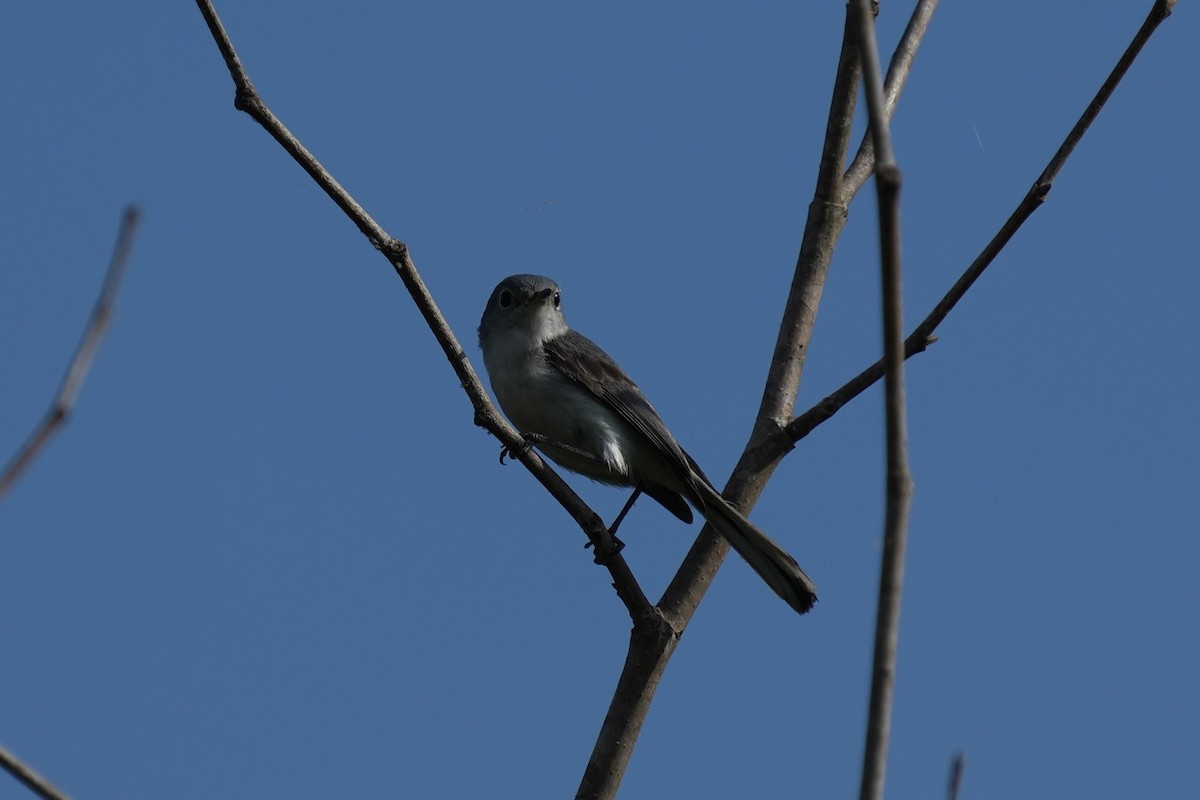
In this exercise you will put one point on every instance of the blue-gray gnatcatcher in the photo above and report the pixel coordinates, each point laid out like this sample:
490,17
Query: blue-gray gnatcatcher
585,413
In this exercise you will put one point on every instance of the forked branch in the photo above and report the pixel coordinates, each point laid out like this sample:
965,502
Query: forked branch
826,218
781,441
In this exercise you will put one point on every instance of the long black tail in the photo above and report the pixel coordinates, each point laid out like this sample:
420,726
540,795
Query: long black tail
772,563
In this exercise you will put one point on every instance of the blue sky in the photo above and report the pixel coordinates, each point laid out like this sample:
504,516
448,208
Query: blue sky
271,556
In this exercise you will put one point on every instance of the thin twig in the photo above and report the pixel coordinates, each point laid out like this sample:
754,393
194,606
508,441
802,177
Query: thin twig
25,774
1041,187
922,336
956,772
81,362
248,100
898,481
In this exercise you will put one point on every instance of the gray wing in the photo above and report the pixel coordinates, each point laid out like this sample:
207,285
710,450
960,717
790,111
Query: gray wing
580,359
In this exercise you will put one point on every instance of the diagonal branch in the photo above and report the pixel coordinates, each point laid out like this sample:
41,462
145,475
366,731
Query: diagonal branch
487,417
1041,187
81,362
780,442
26,775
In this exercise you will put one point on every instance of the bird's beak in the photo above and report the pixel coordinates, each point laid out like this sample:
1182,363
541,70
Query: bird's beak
541,296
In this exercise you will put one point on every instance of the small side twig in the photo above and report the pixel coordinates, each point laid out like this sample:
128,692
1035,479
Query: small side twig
81,362
25,774
899,482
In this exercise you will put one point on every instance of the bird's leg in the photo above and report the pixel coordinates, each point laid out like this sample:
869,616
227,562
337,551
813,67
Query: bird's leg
612,529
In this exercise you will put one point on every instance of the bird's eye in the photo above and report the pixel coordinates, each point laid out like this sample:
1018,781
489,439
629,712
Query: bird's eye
504,299
557,298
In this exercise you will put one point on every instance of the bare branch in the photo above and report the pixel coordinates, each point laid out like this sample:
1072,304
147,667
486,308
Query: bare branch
81,362
899,482
607,552
922,336
25,774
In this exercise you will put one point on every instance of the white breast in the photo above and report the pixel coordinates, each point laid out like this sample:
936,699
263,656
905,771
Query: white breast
538,399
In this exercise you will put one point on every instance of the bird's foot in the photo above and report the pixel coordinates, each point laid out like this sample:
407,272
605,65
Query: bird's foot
603,557
529,440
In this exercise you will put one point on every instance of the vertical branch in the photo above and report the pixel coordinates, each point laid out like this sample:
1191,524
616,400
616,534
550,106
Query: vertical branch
899,483
77,370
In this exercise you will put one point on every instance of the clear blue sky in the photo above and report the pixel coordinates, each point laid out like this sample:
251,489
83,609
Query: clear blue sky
270,556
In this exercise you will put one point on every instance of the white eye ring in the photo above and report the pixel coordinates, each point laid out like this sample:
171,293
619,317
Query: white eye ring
504,299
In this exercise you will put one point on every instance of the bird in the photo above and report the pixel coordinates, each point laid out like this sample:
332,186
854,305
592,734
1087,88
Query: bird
573,402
